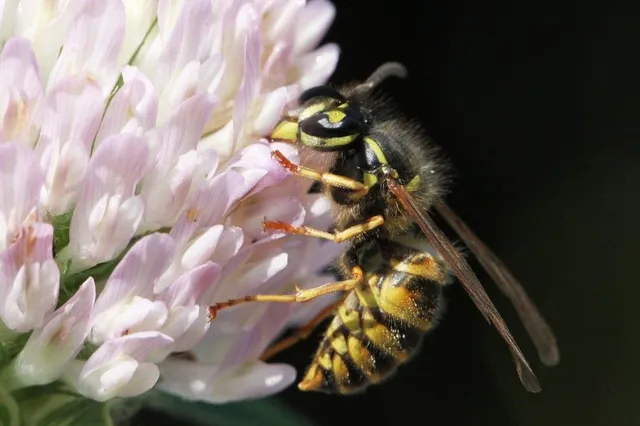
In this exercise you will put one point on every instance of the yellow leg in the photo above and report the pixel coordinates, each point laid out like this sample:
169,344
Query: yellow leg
338,236
300,296
326,178
300,333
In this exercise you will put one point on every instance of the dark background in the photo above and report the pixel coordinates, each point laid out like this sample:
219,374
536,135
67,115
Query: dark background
536,104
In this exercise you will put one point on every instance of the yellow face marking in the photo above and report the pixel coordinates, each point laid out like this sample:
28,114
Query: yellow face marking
335,116
312,109
370,179
314,141
375,147
343,106
285,131
413,184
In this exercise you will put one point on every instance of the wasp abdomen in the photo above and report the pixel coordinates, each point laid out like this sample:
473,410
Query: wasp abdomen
378,327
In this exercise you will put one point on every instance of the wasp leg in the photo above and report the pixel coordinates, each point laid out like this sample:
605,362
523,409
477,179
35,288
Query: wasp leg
326,178
302,332
338,236
300,296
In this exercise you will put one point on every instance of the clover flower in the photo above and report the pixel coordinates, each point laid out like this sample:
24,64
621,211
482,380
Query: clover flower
134,176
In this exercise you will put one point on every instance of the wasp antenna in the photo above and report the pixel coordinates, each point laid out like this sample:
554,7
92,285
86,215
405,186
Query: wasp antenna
383,72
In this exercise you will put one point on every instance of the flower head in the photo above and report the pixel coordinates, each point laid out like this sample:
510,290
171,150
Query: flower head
134,176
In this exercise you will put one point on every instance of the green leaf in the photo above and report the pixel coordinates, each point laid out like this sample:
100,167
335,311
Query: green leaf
54,405
9,411
263,412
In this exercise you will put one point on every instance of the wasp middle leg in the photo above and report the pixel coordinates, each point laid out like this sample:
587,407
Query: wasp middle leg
301,296
337,236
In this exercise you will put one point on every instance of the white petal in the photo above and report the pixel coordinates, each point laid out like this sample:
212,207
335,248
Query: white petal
317,66
137,272
29,278
133,109
140,15
108,213
312,25
72,116
137,314
21,93
50,348
91,48
19,191
118,367
253,381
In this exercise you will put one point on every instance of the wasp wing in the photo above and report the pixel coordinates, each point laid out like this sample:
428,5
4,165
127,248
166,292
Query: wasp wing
467,278
540,332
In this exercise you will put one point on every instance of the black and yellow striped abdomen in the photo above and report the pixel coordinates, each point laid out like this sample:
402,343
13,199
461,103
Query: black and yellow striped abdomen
380,325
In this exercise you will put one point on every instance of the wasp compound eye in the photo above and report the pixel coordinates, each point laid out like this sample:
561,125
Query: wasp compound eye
333,123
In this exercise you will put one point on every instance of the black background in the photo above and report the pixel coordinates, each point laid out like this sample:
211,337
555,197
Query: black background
536,104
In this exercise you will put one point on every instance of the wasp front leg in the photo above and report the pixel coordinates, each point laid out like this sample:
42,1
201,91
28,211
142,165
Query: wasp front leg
329,179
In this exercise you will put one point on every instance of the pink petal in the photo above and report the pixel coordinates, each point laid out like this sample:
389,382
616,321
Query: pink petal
19,190
197,381
137,346
187,289
118,367
312,25
282,20
250,84
92,45
108,213
276,67
249,217
47,26
21,94
183,130
252,382
50,348
172,193
74,110
185,44
137,272
133,109
271,108
29,277
140,15
316,67
201,249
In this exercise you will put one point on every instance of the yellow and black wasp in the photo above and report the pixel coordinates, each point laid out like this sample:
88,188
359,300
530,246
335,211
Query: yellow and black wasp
384,180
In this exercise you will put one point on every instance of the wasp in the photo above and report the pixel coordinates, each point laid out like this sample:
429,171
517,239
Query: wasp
385,181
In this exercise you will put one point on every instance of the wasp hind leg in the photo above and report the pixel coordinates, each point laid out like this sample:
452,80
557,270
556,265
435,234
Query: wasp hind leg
301,296
301,333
